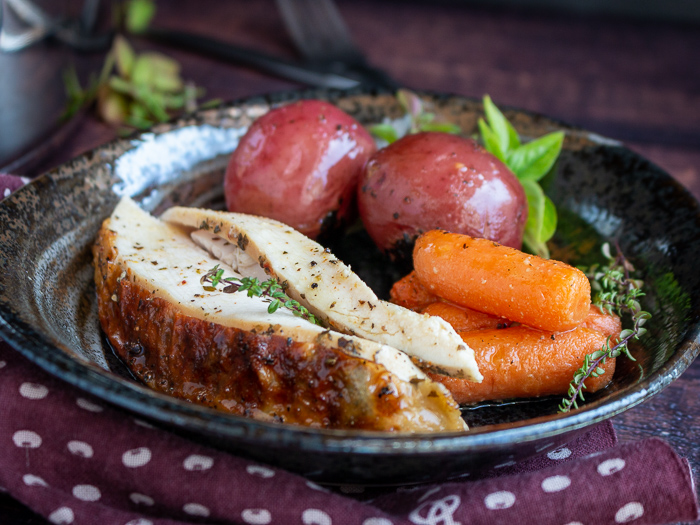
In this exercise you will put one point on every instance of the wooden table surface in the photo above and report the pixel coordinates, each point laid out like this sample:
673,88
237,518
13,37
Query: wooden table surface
632,79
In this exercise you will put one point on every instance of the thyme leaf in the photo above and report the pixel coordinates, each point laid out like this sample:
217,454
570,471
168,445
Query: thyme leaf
615,291
271,290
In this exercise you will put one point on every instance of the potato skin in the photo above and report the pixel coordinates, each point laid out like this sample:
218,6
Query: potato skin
434,180
299,164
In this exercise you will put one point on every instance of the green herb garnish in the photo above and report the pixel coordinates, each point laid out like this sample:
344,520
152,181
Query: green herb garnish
133,90
616,292
271,290
139,14
420,119
529,162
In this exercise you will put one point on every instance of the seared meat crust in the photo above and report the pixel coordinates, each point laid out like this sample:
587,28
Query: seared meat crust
255,373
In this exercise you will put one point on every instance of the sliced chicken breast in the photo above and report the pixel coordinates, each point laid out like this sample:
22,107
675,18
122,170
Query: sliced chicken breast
327,287
225,350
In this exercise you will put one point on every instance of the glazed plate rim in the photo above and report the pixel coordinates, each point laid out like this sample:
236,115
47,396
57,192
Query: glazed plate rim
139,399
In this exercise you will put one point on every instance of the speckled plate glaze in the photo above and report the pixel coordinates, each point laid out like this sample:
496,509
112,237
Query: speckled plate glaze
602,190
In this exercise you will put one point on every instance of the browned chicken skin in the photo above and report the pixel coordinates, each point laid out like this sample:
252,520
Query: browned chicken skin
257,373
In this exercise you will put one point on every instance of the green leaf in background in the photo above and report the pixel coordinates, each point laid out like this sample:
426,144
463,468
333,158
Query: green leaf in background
549,220
124,56
443,127
411,104
529,162
157,71
491,142
533,160
420,119
385,132
138,15
504,131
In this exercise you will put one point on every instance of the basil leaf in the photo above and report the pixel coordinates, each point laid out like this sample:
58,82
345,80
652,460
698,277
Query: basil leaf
491,141
444,127
514,139
549,220
534,246
535,218
497,123
533,160
385,132
535,206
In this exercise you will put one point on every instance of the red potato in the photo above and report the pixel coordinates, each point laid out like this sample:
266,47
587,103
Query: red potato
299,164
435,180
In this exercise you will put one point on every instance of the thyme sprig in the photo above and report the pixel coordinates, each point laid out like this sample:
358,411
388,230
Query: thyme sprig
271,290
615,291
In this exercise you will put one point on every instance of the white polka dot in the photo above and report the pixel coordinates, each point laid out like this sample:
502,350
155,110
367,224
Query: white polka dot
139,521
256,516
611,466
560,453
352,489
137,457
141,499
195,462
195,509
555,483
499,500
88,405
34,481
25,180
3,364
629,512
86,493
315,517
80,448
263,472
377,521
33,391
62,516
7,192
26,439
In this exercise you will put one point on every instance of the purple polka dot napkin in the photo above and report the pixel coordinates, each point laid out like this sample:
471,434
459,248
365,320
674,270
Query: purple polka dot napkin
75,459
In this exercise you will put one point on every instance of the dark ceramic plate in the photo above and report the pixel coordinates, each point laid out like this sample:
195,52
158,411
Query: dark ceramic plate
602,190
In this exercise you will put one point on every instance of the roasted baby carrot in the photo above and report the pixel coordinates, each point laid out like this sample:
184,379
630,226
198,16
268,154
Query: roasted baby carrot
410,293
521,362
608,324
502,281
464,319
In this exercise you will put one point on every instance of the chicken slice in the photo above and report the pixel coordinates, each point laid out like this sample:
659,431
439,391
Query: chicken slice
326,286
225,350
